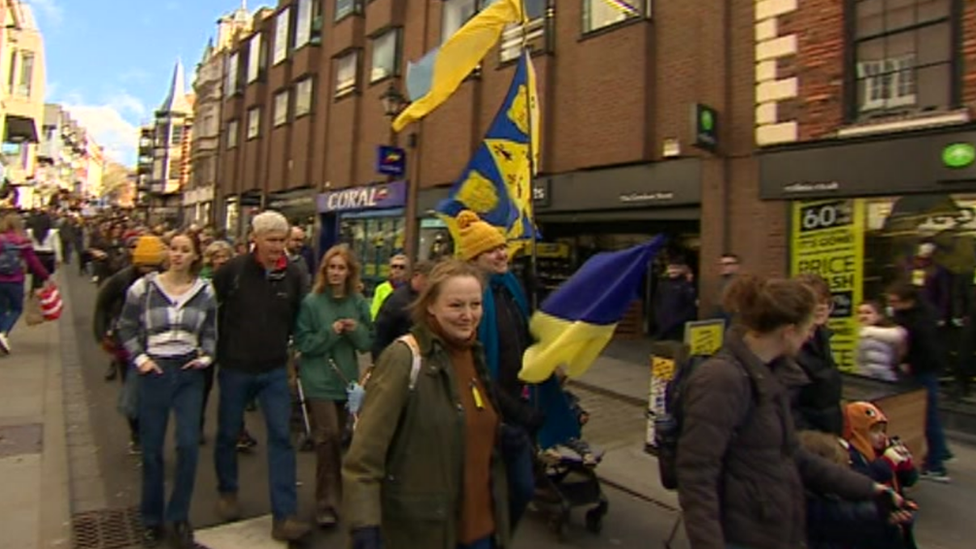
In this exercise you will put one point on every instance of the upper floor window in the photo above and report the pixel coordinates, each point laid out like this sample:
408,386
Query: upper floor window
232,134
386,55
26,73
254,58
233,66
281,108
347,7
303,23
598,14
303,97
176,137
904,52
12,75
253,122
157,171
455,14
281,36
175,168
346,73
535,12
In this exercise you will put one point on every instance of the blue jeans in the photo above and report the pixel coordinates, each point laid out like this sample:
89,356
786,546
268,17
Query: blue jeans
274,396
11,304
517,451
483,543
934,435
180,392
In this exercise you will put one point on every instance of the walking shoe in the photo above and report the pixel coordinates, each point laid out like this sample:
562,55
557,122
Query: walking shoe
183,535
289,529
937,476
327,518
152,536
111,373
227,508
245,442
949,457
135,448
4,344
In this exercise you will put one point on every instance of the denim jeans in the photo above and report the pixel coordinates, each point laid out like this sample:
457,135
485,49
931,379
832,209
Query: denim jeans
273,394
11,304
934,435
483,543
517,450
180,392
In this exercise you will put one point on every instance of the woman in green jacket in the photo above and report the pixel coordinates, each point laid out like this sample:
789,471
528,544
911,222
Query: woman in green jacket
333,324
424,469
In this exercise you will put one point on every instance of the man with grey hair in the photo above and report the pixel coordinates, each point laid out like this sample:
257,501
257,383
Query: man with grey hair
259,295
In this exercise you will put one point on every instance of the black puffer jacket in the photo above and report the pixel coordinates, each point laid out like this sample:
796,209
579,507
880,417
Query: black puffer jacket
816,406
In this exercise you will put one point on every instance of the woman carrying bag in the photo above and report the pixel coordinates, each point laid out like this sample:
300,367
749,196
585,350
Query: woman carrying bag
333,325
425,467
16,252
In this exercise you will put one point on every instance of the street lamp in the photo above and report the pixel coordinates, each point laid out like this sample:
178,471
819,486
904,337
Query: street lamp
393,101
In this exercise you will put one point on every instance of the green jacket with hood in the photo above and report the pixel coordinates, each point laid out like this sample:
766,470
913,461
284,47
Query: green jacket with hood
319,344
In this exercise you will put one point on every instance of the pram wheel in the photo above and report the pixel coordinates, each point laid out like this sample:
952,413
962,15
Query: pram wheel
594,517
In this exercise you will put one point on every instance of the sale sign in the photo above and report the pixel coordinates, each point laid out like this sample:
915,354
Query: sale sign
828,240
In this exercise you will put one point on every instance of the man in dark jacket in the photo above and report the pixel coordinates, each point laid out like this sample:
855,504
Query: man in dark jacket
259,295
394,319
675,302
816,405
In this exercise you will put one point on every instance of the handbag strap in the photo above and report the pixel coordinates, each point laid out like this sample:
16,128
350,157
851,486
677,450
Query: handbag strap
335,368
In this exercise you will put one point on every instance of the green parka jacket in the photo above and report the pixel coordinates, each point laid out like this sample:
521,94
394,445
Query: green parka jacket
404,470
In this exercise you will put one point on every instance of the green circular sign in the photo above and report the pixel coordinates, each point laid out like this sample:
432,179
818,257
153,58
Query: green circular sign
707,120
958,155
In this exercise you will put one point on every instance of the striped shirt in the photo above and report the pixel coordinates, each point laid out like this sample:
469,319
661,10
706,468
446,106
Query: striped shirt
154,323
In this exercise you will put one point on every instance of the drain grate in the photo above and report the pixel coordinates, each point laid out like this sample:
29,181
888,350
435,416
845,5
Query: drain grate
107,529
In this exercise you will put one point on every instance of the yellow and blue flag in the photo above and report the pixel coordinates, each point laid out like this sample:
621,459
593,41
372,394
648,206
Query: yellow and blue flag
448,65
576,322
497,182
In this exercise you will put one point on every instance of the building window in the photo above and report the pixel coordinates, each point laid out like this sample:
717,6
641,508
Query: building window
157,170
233,65
175,168
253,122
345,8
386,56
346,73
281,36
26,74
598,14
254,58
303,23
904,54
535,30
232,134
281,108
303,97
455,14
176,137
12,75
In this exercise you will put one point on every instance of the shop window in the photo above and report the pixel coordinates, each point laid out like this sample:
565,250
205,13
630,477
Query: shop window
455,13
253,123
599,14
281,108
303,23
535,30
281,36
346,73
904,55
345,8
233,68
303,97
254,58
386,56
232,134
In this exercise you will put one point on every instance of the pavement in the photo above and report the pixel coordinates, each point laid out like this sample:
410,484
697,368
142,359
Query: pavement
63,439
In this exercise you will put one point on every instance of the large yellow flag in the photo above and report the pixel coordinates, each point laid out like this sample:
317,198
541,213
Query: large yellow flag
459,55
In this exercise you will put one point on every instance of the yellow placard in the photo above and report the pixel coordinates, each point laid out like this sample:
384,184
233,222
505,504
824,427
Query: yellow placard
662,368
918,277
704,338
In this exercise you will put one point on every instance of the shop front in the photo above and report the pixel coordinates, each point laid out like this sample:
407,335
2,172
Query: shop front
238,212
298,205
370,219
197,205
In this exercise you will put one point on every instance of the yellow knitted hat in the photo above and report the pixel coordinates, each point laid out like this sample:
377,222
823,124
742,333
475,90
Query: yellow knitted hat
476,236
149,252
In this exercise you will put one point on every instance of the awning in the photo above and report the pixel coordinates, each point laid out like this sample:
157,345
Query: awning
20,129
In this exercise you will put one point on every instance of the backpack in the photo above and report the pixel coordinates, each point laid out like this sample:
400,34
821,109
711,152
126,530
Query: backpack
417,358
10,259
667,427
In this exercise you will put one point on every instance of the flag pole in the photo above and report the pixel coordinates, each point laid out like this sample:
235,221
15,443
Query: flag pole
534,256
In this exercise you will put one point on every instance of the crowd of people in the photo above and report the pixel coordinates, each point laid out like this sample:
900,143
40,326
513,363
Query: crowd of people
438,452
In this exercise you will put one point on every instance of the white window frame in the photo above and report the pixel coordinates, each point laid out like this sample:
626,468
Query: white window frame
303,96
281,108
253,123
282,27
452,9
377,71
612,16
885,80
347,69
25,78
303,23
233,66
254,58
511,43
232,131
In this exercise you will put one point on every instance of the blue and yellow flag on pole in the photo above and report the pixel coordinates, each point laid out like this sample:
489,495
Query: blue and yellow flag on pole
576,322
454,60
497,182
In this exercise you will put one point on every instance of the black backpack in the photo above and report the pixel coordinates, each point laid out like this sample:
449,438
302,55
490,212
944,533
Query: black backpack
667,427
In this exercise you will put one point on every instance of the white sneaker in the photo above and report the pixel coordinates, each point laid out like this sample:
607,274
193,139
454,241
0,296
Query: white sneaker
4,344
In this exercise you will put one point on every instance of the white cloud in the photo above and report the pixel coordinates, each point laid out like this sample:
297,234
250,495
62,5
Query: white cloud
112,131
51,10
134,75
124,102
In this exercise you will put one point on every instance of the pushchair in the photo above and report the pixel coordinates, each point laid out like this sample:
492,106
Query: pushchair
566,479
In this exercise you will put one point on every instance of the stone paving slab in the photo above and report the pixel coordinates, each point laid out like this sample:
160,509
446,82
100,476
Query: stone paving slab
19,518
251,534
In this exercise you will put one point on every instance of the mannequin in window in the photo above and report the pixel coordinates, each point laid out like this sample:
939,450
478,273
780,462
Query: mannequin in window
933,280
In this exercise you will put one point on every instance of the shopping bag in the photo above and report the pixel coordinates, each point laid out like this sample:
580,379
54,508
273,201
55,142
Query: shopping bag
32,311
51,304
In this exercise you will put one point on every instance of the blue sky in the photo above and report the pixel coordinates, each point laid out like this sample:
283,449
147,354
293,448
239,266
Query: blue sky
111,61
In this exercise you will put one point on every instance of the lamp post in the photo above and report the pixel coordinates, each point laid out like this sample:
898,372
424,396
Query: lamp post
393,104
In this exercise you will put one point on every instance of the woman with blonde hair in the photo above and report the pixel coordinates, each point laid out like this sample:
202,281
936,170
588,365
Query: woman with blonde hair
425,467
15,252
215,255
333,325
